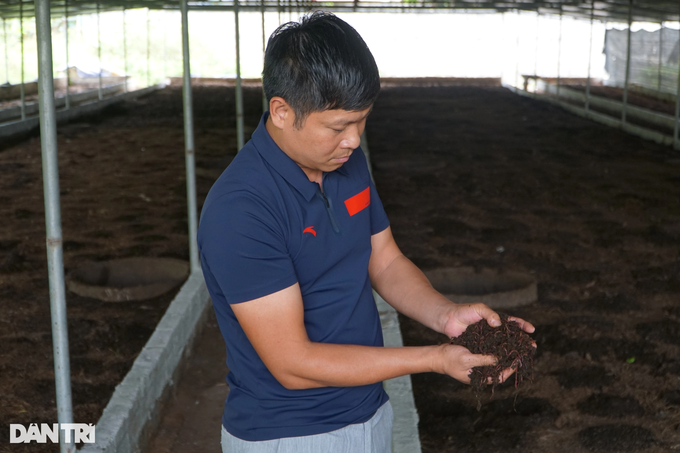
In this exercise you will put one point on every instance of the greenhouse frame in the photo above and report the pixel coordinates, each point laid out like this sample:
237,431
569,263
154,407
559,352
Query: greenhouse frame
617,11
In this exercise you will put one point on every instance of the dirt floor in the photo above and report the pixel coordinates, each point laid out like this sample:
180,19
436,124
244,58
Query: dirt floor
591,212
122,194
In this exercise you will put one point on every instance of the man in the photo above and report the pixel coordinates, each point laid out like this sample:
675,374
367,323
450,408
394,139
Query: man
292,238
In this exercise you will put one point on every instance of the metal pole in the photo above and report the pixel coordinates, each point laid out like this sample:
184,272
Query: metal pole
4,34
265,106
658,81
67,97
538,16
99,55
55,262
676,142
22,88
165,45
628,51
148,48
517,54
125,59
189,155
238,93
559,54
503,49
590,54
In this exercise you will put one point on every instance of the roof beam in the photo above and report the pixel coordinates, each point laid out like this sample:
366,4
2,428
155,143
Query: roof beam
605,10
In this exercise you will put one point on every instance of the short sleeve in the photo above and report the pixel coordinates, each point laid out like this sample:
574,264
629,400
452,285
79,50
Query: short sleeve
243,248
379,220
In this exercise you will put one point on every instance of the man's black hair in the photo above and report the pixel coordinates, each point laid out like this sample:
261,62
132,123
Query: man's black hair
320,64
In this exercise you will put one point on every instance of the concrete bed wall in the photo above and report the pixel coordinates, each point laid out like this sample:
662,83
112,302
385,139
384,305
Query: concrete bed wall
21,127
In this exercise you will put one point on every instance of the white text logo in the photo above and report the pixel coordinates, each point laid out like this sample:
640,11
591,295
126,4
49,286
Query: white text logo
72,432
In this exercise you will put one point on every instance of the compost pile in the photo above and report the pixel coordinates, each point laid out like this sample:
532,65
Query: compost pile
508,343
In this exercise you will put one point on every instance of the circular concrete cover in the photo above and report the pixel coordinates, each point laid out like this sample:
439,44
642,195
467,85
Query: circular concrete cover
127,279
497,289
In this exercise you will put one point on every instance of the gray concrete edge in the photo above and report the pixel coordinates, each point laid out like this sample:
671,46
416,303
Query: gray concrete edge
663,95
24,126
632,129
137,398
405,437
32,107
613,106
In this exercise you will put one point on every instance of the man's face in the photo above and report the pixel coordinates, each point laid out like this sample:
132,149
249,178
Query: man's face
325,141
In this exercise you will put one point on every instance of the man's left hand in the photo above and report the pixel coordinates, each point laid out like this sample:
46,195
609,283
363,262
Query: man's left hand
458,317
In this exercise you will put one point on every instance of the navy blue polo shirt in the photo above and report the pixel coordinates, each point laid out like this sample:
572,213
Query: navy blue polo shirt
264,226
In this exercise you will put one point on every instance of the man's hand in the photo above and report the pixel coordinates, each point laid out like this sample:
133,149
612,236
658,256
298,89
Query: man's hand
457,362
458,317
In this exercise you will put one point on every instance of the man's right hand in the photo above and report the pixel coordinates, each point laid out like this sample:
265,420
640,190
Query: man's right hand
457,362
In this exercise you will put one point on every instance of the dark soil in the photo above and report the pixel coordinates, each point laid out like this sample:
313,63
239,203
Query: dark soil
122,177
512,347
592,213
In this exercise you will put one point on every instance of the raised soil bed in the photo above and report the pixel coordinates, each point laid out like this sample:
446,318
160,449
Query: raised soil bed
593,214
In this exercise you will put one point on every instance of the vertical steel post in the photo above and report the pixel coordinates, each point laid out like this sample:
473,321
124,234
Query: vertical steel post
22,87
238,92
559,54
590,54
265,106
503,49
99,54
55,262
676,130
165,45
517,54
658,81
125,56
538,16
628,52
67,97
148,47
189,154
4,35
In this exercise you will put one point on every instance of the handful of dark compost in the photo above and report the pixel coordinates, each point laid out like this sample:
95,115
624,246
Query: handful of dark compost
512,346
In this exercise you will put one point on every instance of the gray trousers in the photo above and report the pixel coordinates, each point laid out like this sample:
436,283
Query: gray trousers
374,436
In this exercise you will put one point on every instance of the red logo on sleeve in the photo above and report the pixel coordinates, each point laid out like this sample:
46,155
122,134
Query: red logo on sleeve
309,230
358,202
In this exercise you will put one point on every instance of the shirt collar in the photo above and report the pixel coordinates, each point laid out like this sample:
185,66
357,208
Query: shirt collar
284,165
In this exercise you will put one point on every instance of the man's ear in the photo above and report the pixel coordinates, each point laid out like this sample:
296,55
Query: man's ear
279,111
